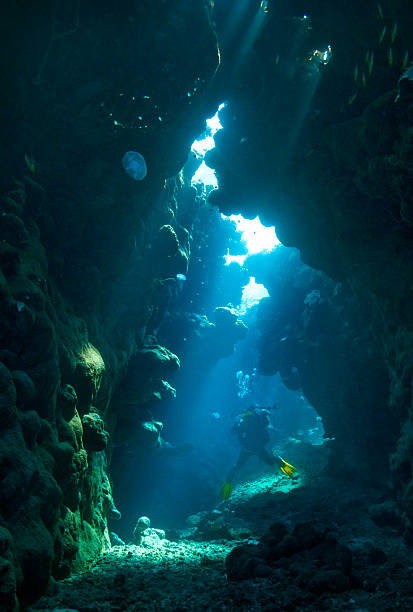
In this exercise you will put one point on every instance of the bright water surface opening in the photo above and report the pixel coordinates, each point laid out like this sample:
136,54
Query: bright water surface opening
256,237
204,174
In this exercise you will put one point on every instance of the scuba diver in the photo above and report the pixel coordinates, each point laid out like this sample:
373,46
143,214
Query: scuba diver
251,429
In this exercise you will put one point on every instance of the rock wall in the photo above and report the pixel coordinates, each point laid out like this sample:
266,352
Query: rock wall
318,131
313,331
89,256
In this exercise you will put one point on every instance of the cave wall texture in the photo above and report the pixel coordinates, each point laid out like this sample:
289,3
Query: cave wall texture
325,155
89,256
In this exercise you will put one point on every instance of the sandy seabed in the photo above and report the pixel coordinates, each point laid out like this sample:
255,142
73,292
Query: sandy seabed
190,575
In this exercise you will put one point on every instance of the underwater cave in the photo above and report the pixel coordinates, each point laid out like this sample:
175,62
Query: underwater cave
206,255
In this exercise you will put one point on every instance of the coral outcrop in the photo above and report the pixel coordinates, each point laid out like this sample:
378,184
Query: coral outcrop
88,258
323,152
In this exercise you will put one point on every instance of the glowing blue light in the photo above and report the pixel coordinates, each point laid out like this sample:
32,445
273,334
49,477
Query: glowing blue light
257,237
200,147
205,175
239,259
251,295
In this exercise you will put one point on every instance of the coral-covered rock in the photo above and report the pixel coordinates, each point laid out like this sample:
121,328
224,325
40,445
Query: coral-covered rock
365,553
67,401
245,563
12,230
88,375
8,412
95,437
25,388
329,580
10,573
31,425
385,514
307,548
148,434
170,257
156,359
10,259
78,273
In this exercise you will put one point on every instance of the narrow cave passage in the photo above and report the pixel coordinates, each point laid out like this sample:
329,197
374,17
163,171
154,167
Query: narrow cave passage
219,379
247,320
206,328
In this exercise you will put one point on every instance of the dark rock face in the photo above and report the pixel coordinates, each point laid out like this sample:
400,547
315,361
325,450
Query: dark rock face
89,257
321,338
95,437
307,552
323,154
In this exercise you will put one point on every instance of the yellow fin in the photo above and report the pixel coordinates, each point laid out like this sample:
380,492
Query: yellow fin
30,163
405,60
393,34
288,469
371,63
356,73
380,10
226,490
352,98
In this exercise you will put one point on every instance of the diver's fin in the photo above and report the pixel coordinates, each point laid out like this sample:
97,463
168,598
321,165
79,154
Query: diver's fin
287,469
226,490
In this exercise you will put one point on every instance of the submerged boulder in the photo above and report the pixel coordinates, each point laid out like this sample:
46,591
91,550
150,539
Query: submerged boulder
304,551
145,535
95,437
245,563
157,360
88,374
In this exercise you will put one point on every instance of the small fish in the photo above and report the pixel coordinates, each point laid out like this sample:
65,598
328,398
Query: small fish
382,35
371,63
390,56
380,10
181,277
352,98
393,34
30,163
356,73
405,60
363,79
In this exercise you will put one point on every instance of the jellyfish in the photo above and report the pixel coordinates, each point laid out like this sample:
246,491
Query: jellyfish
134,164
